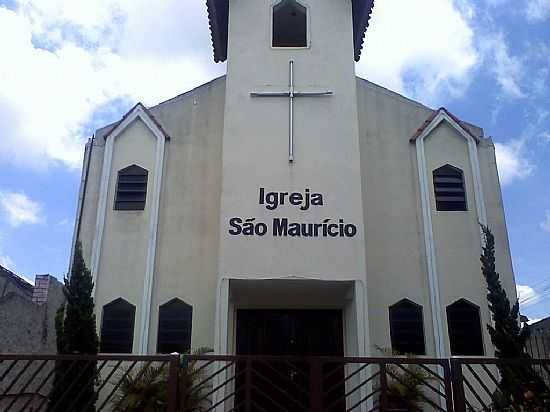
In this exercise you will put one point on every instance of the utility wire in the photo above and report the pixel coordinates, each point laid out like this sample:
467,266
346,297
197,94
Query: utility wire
535,299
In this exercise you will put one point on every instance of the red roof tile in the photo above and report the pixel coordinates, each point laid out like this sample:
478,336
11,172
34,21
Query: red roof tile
149,114
431,118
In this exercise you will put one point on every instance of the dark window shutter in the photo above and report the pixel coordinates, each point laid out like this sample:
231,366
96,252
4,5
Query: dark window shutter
450,194
175,324
117,327
289,24
464,325
131,188
407,328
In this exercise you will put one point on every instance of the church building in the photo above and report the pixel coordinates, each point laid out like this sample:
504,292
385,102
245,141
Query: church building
289,206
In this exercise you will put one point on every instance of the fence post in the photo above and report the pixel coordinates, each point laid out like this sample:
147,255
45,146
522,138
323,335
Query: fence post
248,386
448,384
383,387
173,382
316,374
459,397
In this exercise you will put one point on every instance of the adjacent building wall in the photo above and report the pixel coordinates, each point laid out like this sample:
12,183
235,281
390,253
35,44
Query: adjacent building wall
10,283
26,326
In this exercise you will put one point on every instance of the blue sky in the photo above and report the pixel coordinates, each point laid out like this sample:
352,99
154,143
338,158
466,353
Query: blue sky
69,67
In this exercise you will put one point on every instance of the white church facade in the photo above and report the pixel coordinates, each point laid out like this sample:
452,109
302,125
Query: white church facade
290,207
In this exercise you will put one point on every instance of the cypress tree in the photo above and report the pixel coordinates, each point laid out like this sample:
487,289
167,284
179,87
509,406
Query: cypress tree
73,387
520,384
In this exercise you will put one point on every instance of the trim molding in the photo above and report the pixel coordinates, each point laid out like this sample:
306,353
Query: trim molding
431,259
145,311
81,198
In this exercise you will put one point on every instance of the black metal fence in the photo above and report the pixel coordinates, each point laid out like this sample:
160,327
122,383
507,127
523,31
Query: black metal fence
175,383
27,381
482,384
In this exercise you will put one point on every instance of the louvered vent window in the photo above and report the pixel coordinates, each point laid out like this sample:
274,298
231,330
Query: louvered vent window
117,327
407,328
450,194
464,325
289,24
131,189
175,325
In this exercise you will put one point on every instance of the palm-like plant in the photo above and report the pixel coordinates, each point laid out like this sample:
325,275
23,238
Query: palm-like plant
405,383
193,386
147,389
405,386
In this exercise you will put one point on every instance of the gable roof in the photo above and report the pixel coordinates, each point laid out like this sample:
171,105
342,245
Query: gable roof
543,324
19,281
138,107
218,16
450,116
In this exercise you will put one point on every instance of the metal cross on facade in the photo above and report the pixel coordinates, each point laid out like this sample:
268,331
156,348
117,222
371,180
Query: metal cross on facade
291,94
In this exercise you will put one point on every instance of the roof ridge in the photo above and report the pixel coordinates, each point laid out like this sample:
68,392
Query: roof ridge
16,277
432,117
129,113
183,94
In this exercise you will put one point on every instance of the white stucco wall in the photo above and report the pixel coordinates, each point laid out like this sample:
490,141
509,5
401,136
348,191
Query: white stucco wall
124,247
393,220
352,147
188,236
186,264
396,258
255,152
456,234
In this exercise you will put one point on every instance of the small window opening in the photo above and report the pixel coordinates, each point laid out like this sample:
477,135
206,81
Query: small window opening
117,327
289,24
464,325
175,325
131,188
450,194
407,328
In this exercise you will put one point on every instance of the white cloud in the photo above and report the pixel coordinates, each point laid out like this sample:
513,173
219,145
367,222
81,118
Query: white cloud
7,262
537,10
507,69
56,73
63,60
512,161
545,224
20,209
406,53
527,295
